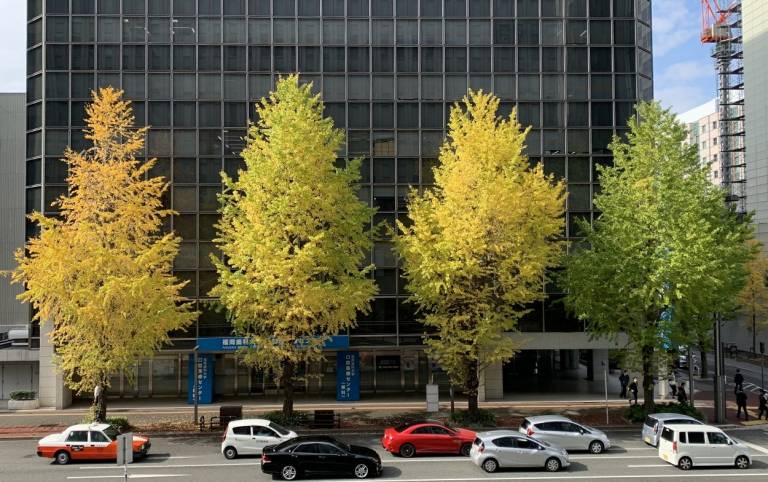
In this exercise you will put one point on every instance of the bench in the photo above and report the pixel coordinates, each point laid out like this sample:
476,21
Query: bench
227,413
326,419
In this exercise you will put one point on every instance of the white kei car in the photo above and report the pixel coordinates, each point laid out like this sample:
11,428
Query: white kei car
250,436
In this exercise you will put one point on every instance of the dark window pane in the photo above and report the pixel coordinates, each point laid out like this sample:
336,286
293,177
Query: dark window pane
333,59
600,59
159,57
379,8
383,59
285,59
599,8
309,59
133,57
259,59
432,59
455,59
407,59
234,58
504,8
504,32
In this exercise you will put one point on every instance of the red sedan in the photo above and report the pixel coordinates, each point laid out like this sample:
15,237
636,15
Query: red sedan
427,437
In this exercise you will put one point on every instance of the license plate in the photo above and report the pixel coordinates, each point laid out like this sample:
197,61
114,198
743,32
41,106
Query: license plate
647,440
664,456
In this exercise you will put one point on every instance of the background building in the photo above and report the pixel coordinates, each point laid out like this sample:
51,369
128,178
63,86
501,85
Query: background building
389,72
703,131
18,364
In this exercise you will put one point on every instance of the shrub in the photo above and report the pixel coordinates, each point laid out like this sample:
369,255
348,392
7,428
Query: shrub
23,395
637,413
120,423
483,418
297,419
406,418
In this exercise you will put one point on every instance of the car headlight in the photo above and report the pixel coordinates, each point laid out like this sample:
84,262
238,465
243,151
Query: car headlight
142,447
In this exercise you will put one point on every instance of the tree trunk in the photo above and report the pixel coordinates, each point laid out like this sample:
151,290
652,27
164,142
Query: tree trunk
287,383
100,403
704,368
647,361
473,382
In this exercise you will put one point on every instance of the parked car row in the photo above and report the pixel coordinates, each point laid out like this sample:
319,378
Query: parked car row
540,441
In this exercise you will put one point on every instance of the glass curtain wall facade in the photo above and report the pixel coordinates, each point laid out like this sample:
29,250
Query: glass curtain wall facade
388,71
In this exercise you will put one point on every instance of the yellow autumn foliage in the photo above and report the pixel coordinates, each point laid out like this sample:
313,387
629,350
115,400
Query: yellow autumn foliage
101,272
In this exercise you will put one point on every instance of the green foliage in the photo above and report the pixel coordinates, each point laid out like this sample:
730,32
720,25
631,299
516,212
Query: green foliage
120,423
293,235
478,245
23,395
638,413
474,418
296,418
665,253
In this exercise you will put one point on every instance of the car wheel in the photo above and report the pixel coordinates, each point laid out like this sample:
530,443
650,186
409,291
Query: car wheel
289,472
685,463
596,447
62,458
407,451
465,449
362,471
742,462
490,465
230,453
552,464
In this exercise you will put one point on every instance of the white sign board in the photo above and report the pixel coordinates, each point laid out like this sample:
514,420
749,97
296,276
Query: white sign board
125,449
433,400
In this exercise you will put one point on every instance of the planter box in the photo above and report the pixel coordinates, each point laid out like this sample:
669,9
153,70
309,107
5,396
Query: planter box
23,404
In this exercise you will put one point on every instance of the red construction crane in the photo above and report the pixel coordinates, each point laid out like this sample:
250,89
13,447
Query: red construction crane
714,21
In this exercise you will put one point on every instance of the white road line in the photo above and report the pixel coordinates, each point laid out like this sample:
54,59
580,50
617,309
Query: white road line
174,466
130,476
167,457
601,457
602,477
648,465
756,447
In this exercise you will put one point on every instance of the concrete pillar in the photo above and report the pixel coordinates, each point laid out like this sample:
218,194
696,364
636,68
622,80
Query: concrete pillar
52,391
599,364
491,383
569,359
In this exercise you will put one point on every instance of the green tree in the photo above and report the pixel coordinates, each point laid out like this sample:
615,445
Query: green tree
479,243
753,298
101,273
294,237
665,249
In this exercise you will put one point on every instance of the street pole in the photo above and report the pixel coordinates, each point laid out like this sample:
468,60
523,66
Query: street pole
605,386
194,384
719,382
690,375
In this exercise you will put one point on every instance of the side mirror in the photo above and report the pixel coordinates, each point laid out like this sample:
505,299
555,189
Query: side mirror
581,431
730,442
541,447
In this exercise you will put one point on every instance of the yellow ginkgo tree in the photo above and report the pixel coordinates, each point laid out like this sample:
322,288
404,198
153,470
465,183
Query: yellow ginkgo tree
295,237
101,272
479,243
753,298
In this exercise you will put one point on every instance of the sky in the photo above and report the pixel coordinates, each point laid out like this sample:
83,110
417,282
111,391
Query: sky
684,72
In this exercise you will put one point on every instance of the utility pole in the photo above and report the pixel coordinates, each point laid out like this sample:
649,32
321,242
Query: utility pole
719,375
690,375
195,387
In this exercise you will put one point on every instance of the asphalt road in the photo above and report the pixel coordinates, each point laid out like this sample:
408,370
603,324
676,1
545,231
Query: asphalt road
198,459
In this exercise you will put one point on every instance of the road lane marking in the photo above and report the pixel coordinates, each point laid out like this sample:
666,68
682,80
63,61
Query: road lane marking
601,477
648,465
601,457
130,476
168,457
174,466
760,449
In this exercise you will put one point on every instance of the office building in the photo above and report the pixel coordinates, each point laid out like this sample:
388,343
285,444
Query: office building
389,72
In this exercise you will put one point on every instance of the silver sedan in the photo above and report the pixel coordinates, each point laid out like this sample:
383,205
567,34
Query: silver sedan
565,433
506,448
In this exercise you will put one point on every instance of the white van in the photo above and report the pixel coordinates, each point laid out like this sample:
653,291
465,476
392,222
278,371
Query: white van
250,436
701,445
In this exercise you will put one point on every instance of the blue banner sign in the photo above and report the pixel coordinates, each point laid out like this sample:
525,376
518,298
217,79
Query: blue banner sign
204,373
348,376
234,343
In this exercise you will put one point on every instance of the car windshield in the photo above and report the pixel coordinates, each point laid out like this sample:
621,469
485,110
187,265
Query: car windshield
111,432
279,428
650,421
525,424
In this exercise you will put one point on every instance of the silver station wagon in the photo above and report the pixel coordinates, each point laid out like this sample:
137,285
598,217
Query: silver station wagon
564,432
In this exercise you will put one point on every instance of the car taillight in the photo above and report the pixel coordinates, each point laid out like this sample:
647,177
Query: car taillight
224,436
264,458
530,432
481,448
674,447
656,427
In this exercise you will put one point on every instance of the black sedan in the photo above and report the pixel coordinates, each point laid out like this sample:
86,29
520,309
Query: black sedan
319,455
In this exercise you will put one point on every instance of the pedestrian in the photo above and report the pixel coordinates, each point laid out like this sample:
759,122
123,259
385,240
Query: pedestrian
682,397
741,404
633,392
738,381
672,385
624,381
763,404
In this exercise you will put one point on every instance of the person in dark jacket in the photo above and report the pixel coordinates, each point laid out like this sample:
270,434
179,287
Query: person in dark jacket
738,381
682,397
633,392
741,404
763,404
624,381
